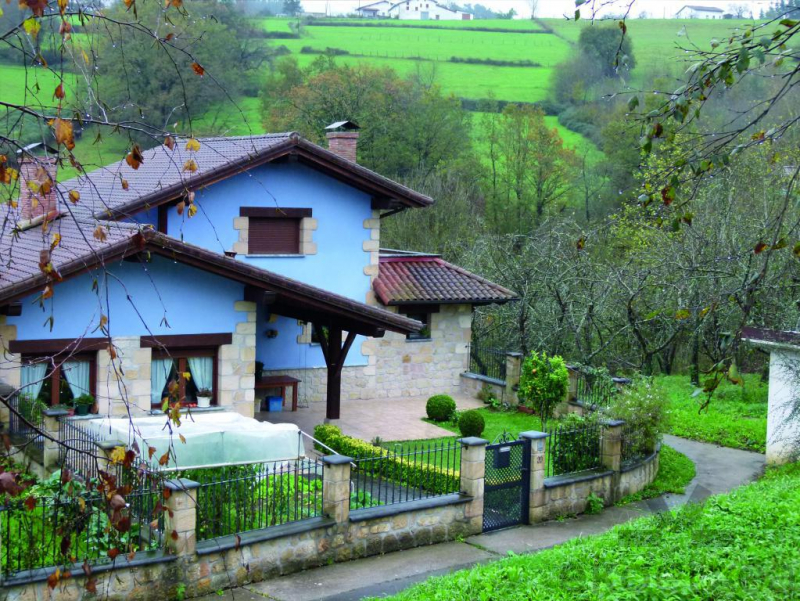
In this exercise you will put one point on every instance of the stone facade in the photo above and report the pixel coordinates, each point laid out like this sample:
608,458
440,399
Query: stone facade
398,367
9,362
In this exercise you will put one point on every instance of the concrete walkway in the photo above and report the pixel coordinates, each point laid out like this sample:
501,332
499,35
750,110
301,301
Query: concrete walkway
718,470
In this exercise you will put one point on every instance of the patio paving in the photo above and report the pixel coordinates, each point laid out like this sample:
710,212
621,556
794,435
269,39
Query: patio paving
389,419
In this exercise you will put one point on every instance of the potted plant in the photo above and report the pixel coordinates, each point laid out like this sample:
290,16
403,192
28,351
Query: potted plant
83,404
204,397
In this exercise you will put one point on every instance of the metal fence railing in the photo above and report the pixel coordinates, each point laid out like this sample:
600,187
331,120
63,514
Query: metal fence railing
594,391
79,449
635,445
486,360
573,449
64,528
405,473
32,412
239,498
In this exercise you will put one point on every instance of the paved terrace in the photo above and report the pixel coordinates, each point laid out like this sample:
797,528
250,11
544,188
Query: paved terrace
390,419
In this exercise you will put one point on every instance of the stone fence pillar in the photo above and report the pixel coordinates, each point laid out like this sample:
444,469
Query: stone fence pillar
473,472
536,500
611,454
336,487
180,520
50,459
513,371
572,387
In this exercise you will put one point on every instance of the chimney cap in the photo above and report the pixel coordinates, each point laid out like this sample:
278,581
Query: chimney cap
345,125
33,149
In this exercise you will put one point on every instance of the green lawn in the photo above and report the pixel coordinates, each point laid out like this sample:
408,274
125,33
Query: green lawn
744,545
675,471
736,417
282,24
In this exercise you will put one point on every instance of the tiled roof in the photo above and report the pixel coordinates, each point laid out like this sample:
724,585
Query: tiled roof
410,279
20,251
162,175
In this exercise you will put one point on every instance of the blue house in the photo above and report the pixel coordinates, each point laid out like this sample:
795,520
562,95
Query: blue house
212,270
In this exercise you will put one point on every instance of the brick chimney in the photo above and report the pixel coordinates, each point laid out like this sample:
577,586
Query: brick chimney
37,187
343,139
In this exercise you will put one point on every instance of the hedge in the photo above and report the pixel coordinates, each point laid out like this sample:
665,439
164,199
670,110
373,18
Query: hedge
426,477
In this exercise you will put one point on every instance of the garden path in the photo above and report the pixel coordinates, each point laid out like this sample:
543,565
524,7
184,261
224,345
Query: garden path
389,419
719,470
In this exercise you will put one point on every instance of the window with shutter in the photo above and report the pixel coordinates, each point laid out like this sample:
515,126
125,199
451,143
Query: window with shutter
274,236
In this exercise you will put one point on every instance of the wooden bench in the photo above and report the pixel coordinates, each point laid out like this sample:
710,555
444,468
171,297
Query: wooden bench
282,382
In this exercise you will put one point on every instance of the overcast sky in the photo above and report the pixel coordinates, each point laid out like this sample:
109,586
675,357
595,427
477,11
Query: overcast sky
549,8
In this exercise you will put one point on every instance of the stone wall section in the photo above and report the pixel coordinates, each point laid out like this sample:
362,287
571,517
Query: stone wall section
124,377
397,367
237,364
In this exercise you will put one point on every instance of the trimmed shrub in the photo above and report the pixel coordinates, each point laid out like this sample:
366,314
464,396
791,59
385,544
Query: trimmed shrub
471,423
543,382
394,467
440,407
641,405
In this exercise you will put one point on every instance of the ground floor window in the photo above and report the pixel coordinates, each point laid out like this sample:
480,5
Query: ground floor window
421,313
52,381
185,375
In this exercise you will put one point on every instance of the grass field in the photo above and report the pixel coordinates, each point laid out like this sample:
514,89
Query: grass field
736,417
743,545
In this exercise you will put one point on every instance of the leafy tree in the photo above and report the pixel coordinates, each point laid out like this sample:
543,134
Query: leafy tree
407,126
533,168
139,84
609,47
292,7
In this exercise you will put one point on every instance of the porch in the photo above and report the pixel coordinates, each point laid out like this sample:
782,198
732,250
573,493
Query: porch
389,419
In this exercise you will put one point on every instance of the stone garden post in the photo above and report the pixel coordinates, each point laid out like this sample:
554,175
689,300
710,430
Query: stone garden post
537,511
336,487
50,459
473,471
181,516
611,453
513,372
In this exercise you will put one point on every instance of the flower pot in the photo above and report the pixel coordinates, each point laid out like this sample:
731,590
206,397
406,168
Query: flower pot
204,401
82,409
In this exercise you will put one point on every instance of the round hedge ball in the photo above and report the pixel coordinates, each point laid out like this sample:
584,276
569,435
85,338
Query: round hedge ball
440,407
471,423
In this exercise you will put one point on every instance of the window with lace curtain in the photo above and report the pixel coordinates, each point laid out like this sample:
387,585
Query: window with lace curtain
182,374
56,380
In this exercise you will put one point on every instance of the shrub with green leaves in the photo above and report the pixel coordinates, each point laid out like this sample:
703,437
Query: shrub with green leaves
471,423
543,382
396,467
642,406
440,407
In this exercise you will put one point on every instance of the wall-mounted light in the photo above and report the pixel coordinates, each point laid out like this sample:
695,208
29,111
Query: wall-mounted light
271,333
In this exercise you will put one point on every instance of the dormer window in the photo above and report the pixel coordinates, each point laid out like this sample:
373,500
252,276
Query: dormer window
274,231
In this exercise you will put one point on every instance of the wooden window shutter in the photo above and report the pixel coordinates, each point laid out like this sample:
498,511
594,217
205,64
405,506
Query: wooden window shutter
268,236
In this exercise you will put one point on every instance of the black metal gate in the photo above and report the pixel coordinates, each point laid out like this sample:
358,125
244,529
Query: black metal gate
506,484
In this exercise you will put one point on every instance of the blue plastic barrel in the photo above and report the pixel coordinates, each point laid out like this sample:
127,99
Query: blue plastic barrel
275,403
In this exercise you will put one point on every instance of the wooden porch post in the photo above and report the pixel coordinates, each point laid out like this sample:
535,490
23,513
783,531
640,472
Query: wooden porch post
335,354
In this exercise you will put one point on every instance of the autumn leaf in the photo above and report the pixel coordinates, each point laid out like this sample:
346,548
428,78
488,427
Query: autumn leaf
31,26
683,314
760,247
62,6
164,459
580,243
30,503
197,69
117,455
667,195
169,142
63,133
192,210
100,233
174,535
134,157
180,207
182,438
59,93
9,485
175,3
124,183
55,241
190,166
47,293
150,452
52,579
113,553
192,145
74,196
91,585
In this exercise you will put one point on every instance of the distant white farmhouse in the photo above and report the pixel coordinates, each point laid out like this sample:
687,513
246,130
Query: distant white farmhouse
699,12
420,10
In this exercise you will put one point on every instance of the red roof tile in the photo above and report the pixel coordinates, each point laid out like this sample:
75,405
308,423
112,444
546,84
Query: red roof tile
428,279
